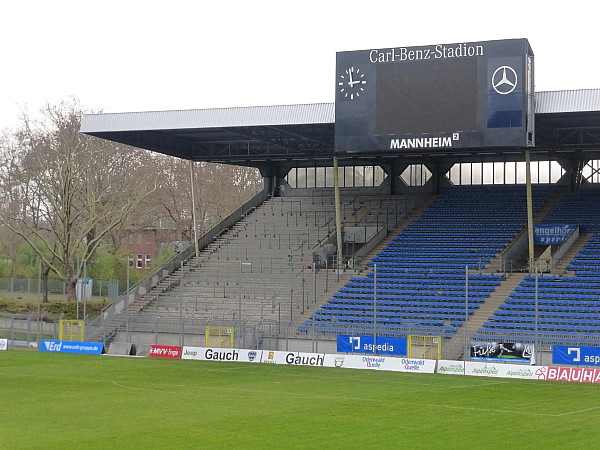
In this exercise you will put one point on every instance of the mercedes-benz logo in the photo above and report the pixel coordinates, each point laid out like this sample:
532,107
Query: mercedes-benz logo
504,80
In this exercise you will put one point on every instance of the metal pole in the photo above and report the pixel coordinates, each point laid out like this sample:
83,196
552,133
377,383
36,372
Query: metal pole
181,294
240,293
466,313
194,218
76,299
84,293
127,291
314,277
535,345
374,308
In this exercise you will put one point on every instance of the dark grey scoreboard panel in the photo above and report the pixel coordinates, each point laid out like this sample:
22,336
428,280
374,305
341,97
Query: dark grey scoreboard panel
446,96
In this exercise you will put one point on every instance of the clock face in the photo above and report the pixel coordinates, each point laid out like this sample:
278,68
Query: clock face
352,83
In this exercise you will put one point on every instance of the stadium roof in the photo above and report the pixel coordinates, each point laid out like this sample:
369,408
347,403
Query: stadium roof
567,127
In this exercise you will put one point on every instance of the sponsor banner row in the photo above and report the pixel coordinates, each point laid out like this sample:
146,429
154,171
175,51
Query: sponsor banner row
309,359
90,348
525,372
472,368
3,344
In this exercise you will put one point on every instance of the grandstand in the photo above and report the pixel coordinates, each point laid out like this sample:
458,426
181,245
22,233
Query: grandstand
436,241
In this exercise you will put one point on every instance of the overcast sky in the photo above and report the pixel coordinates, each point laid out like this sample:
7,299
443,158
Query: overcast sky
126,55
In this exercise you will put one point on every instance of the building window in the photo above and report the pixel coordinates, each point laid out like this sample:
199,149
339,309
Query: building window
349,176
139,262
147,261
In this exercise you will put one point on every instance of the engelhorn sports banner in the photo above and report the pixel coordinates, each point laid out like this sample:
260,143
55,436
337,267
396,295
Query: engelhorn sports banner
552,233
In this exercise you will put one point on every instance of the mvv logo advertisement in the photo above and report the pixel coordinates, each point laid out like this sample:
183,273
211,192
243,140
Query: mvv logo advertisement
165,351
378,345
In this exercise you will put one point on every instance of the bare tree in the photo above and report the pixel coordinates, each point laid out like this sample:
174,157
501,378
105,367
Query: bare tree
220,189
73,190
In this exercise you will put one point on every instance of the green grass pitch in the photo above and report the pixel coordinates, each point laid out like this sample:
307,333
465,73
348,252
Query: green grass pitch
72,401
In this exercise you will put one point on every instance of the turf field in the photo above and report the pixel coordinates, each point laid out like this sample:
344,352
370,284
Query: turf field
50,400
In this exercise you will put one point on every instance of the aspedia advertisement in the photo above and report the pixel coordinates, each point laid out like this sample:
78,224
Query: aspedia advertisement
374,345
90,348
575,355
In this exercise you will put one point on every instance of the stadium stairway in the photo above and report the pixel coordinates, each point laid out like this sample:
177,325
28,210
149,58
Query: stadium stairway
262,264
570,254
455,348
363,267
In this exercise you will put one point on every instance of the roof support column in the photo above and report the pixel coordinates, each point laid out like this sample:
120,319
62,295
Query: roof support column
194,218
529,210
338,212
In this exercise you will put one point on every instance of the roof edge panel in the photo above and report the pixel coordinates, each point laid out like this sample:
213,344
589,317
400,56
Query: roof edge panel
301,114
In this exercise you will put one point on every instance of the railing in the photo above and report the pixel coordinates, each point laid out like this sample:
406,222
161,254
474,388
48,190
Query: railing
26,330
55,286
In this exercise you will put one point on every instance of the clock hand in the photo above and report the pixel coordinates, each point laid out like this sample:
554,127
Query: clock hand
350,82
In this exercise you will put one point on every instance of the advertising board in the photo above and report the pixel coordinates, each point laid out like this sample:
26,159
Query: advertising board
385,363
495,370
165,351
221,354
90,348
373,345
549,234
571,374
576,355
502,351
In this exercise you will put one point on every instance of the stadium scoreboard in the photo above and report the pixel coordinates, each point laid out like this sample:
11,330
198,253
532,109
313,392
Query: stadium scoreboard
438,97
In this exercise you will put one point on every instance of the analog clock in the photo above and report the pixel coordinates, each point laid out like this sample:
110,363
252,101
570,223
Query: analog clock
352,83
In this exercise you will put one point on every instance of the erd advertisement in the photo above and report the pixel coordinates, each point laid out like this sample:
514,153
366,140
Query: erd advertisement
90,348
